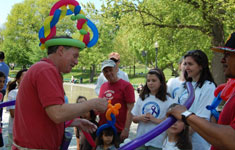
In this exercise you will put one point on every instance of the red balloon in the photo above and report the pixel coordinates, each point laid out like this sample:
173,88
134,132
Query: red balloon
86,38
219,89
228,90
80,23
1,96
61,3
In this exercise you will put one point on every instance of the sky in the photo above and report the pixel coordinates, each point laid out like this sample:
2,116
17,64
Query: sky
6,5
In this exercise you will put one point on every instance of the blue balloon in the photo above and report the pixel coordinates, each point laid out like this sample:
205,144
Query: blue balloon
217,100
107,125
164,125
55,18
41,33
95,37
69,12
77,10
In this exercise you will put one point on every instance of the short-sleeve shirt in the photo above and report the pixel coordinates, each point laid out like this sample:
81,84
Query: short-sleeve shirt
227,116
158,109
203,96
11,96
41,86
173,85
119,92
5,69
101,79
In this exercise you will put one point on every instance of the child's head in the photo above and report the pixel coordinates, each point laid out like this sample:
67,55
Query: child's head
181,64
19,76
155,84
2,80
107,137
181,132
81,99
89,115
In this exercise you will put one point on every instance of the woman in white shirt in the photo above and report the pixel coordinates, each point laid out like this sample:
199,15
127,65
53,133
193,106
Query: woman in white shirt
197,71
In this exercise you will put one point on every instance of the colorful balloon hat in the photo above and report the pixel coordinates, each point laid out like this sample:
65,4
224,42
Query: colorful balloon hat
57,13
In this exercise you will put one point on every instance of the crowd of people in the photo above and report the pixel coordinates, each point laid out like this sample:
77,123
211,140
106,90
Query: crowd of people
38,119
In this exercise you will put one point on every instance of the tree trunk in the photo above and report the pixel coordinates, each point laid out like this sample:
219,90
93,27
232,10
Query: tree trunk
217,40
92,73
134,70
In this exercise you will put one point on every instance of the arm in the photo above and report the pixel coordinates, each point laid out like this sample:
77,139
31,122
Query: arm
143,118
125,131
64,112
12,113
220,136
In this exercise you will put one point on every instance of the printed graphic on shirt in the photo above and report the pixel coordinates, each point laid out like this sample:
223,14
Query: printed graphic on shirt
152,108
109,94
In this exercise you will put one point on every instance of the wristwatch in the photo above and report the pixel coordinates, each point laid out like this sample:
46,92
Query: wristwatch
185,115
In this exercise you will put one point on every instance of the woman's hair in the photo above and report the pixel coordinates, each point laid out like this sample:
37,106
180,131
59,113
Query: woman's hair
92,112
107,132
201,59
162,92
2,74
80,97
184,140
12,85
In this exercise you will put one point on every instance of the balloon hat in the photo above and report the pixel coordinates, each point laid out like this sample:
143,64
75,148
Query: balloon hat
110,116
57,13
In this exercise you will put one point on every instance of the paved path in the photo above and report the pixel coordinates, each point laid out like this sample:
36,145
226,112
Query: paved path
73,144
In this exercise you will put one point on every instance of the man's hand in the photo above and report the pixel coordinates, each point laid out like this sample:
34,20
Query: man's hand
176,111
99,104
124,134
84,125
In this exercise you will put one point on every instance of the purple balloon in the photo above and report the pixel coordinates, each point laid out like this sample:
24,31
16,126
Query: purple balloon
161,127
8,103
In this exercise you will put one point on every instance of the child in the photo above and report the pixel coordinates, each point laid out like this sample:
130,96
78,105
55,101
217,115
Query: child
12,89
81,139
177,136
151,107
107,140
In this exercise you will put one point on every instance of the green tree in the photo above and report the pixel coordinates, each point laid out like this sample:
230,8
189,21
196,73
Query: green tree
178,26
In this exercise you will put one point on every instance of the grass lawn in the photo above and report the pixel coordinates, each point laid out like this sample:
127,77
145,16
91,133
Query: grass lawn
84,75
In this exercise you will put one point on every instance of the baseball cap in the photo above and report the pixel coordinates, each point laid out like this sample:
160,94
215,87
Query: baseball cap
114,55
107,63
229,45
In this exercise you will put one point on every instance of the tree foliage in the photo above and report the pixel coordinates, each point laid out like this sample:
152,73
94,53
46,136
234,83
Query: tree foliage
128,27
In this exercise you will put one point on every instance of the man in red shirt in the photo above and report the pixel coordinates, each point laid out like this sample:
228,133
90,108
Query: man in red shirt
41,112
118,91
221,136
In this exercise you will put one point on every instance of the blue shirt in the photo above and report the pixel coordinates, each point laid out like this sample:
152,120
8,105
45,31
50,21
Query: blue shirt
5,69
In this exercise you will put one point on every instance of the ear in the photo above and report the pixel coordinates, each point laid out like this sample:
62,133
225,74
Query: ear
60,50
